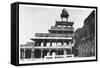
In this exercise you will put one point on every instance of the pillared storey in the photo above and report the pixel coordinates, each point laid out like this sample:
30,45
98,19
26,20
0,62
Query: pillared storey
58,43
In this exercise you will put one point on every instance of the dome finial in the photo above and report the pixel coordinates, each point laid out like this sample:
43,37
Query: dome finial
64,14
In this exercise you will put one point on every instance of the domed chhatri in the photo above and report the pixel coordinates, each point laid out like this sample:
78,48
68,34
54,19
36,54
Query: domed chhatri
64,14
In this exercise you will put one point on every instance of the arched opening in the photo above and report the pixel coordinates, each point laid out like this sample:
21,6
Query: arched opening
37,53
28,53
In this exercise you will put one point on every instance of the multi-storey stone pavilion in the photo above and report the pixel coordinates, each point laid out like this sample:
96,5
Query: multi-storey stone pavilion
58,43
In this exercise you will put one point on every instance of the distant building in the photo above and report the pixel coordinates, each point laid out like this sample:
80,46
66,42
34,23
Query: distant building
26,50
85,38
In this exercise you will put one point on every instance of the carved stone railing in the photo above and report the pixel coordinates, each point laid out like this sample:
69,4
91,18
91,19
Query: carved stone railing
52,35
53,27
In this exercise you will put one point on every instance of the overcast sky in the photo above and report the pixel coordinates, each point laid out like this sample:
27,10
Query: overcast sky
38,19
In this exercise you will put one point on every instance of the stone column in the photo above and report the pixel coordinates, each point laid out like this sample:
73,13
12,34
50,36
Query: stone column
57,51
24,53
71,50
70,43
43,43
48,53
41,53
32,53
65,52
63,42
50,43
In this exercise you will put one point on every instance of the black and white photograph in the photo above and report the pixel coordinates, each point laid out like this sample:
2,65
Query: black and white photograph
56,34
